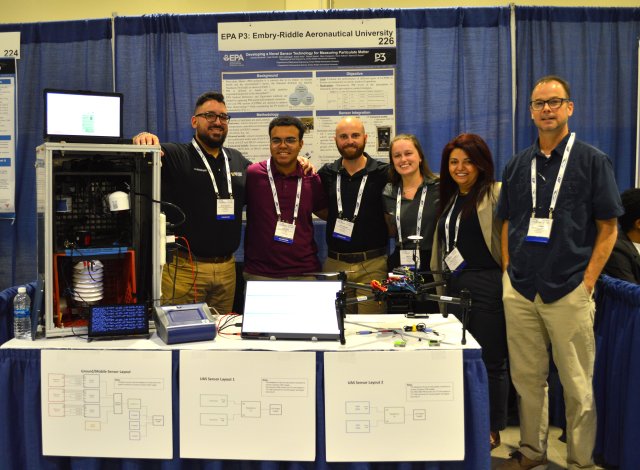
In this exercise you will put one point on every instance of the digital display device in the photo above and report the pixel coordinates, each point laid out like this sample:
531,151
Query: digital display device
82,116
184,323
185,316
118,321
291,310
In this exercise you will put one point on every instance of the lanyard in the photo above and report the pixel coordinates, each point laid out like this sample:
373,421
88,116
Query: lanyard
556,187
275,194
423,197
206,164
446,227
358,199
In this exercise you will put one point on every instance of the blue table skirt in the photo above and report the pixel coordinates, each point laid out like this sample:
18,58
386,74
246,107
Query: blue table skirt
21,431
616,380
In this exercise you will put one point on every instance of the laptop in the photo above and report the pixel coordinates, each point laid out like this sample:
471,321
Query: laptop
301,310
83,116
121,321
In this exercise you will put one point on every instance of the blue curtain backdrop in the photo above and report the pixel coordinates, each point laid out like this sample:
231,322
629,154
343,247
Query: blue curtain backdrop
70,55
453,72
596,50
453,76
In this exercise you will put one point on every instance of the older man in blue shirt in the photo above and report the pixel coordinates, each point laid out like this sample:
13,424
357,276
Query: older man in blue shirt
559,203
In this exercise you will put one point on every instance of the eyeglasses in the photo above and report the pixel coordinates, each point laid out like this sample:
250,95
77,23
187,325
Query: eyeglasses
554,103
287,140
211,117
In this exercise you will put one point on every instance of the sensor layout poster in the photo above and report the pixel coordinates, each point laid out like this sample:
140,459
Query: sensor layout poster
388,407
248,405
122,398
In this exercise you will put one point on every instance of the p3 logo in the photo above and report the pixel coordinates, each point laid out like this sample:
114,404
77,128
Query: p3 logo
380,57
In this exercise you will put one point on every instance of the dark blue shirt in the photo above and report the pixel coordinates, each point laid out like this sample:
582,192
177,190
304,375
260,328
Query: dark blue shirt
588,193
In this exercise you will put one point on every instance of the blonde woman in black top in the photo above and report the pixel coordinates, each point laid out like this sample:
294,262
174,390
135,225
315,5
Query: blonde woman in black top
411,204
411,201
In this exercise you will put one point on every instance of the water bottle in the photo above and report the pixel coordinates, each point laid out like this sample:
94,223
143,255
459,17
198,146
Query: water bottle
22,314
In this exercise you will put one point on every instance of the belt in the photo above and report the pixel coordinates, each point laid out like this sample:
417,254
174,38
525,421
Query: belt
204,259
357,257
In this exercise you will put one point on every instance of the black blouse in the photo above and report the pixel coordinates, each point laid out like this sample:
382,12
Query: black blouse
470,242
409,212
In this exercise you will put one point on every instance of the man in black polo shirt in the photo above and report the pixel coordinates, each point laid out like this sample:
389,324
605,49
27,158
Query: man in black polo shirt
357,235
207,181
559,203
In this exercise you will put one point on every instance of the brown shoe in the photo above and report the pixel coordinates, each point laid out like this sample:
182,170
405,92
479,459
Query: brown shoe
520,462
494,439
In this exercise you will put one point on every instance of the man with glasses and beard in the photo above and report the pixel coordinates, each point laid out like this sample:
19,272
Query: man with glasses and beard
207,181
357,235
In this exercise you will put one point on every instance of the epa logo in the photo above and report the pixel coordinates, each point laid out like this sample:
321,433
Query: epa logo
380,57
233,58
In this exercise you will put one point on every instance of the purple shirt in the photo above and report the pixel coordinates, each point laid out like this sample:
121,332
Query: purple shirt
263,256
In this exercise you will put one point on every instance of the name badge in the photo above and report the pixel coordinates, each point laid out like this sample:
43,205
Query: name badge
539,230
454,260
343,230
406,257
225,209
284,232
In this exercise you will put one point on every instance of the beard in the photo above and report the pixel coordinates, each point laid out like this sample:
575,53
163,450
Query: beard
212,142
351,152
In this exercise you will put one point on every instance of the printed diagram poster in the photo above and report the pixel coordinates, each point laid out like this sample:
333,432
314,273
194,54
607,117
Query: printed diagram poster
317,70
394,406
106,403
247,405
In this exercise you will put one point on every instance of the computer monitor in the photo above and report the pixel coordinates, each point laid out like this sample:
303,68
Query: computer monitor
118,321
82,116
303,310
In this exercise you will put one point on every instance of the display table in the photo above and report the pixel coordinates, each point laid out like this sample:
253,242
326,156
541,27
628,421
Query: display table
20,428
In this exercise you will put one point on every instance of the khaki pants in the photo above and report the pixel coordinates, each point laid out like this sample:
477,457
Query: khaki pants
364,272
215,283
566,325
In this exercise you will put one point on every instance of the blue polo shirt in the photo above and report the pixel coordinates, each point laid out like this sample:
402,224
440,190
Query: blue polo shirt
588,193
